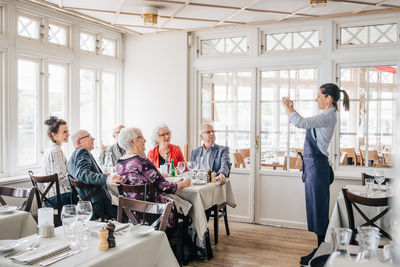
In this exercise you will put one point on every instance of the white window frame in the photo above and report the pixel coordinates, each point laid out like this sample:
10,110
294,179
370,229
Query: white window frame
41,30
64,25
111,38
96,42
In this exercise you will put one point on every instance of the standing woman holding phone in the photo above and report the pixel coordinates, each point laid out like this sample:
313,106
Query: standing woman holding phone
317,172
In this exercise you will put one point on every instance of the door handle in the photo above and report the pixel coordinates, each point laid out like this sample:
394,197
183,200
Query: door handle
257,142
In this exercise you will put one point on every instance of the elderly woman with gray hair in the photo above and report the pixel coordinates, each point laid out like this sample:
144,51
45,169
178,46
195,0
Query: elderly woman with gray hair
136,170
163,150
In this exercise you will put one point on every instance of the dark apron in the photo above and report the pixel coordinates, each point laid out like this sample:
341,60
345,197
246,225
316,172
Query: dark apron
316,178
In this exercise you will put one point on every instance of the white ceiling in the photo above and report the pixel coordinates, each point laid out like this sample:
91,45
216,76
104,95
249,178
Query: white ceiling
202,14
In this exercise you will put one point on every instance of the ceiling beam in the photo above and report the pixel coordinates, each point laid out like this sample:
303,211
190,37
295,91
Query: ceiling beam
364,3
231,7
294,12
236,12
146,27
120,5
138,14
175,13
367,7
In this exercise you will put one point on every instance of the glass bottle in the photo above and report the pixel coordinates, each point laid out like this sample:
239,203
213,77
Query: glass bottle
341,239
108,164
172,169
368,239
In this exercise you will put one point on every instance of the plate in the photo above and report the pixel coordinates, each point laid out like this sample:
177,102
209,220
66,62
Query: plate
7,245
95,227
142,230
199,182
7,209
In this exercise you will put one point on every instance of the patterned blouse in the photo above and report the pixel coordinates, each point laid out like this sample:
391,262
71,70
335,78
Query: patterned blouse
54,161
138,170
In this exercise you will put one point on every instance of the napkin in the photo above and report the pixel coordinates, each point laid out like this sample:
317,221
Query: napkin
33,256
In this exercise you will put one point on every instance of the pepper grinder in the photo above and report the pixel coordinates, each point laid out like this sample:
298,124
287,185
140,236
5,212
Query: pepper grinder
103,244
111,237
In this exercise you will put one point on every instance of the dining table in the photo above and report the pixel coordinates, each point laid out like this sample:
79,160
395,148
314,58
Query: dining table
151,250
339,216
16,224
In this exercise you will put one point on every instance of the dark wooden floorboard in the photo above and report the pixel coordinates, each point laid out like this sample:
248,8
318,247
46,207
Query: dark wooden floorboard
252,245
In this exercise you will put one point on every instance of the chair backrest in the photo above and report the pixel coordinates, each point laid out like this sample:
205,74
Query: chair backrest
75,185
365,176
239,161
372,155
350,153
128,206
293,163
27,193
41,196
245,152
387,159
147,191
352,200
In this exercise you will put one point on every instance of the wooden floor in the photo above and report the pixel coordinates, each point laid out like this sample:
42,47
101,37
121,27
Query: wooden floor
258,245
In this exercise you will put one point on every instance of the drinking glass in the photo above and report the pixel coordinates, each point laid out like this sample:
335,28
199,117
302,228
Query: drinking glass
69,219
379,178
83,237
108,164
341,238
181,167
84,211
369,185
368,240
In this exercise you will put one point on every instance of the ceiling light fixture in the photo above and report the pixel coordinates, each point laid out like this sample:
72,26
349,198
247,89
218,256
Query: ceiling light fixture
150,16
318,3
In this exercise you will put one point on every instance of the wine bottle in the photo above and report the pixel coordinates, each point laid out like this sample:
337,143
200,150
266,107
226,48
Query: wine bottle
172,169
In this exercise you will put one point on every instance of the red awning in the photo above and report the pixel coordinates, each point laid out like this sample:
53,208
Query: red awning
387,69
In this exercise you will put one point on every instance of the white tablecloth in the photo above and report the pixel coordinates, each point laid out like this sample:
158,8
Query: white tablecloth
204,197
16,225
152,250
339,214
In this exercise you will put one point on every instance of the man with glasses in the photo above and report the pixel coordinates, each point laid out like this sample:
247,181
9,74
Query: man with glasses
115,150
214,157
83,168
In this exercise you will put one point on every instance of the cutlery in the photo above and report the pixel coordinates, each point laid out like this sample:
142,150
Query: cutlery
58,258
32,246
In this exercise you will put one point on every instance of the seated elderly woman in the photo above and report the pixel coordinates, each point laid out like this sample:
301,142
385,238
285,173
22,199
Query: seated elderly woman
136,170
163,149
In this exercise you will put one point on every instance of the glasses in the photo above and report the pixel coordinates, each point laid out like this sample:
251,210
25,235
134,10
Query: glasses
208,132
139,137
165,134
85,137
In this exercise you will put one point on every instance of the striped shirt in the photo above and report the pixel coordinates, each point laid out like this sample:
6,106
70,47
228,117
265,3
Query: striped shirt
324,124
54,161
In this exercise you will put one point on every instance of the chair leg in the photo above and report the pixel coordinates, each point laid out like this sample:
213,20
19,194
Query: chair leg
226,221
215,210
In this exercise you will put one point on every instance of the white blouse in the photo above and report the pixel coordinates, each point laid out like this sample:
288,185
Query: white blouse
54,161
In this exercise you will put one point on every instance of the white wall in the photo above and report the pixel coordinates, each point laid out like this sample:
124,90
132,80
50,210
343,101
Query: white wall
155,82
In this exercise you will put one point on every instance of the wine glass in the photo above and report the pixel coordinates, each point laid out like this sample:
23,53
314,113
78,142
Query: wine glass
69,218
84,211
181,167
379,178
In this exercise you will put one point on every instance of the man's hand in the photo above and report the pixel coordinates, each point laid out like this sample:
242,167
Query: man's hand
103,148
221,178
114,179
287,102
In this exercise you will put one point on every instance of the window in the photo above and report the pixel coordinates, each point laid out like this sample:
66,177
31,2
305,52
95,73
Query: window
108,107
369,34
87,103
28,104
224,46
28,27
280,141
226,102
88,42
108,47
58,85
366,130
292,40
58,34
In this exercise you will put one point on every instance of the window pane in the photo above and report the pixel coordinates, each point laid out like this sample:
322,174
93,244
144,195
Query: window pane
368,34
226,102
292,40
108,47
88,42
57,34
58,84
87,93
224,46
371,111
28,72
28,27
108,93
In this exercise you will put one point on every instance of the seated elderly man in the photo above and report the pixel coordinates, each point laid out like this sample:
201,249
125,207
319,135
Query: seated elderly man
83,168
215,157
115,149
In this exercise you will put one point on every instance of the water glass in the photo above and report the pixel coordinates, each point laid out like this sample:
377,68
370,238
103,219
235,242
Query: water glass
369,185
83,238
181,167
341,238
69,219
84,211
379,178
368,240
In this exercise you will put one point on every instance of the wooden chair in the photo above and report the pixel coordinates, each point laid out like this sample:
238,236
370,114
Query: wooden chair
294,163
127,206
245,152
350,153
27,193
353,200
365,176
373,157
75,185
219,211
147,190
41,196
387,159
239,161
